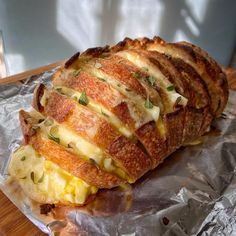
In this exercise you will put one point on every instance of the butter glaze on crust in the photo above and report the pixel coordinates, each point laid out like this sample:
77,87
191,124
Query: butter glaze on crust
113,78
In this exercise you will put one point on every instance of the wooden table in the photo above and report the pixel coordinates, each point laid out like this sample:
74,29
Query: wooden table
12,221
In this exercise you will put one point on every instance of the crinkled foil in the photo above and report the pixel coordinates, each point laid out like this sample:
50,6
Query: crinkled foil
192,193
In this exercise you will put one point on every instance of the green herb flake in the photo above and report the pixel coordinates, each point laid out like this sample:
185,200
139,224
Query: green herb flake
70,145
102,79
98,65
83,100
48,122
136,75
23,158
145,68
177,102
93,162
151,80
59,90
119,85
41,178
53,138
35,127
105,114
41,120
128,90
76,72
170,88
32,176
148,104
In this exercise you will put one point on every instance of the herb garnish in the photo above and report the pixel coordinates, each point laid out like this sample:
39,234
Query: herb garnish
76,72
128,90
102,79
23,158
170,88
98,65
32,176
103,113
83,99
41,178
148,104
151,80
48,122
136,75
145,68
41,120
70,145
53,138
92,161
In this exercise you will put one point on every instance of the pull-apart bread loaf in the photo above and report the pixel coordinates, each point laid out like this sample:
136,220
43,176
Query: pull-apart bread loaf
113,114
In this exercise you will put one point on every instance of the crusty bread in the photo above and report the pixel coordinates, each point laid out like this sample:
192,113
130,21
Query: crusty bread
137,102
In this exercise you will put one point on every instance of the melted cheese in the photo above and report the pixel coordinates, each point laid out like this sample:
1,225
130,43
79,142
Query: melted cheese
138,111
98,108
153,71
44,181
80,146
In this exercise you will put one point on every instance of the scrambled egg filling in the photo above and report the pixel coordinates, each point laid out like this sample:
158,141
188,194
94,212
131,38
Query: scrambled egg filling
46,182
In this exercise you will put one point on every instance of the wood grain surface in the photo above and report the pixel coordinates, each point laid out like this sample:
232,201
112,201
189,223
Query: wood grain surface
12,221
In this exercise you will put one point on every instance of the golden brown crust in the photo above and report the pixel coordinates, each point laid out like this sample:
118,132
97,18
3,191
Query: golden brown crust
153,141
217,85
174,123
193,73
132,158
68,161
95,129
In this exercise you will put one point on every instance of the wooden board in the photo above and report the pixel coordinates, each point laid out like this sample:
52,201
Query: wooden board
12,221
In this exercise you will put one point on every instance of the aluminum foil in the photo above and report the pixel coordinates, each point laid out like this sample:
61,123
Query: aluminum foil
192,193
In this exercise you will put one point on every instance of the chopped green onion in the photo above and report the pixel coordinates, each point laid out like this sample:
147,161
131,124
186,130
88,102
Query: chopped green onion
59,90
48,122
41,178
148,104
93,162
170,88
102,79
76,72
136,75
145,68
98,65
70,145
23,158
83,99
53,138
151,80
103,113
178,100
32,176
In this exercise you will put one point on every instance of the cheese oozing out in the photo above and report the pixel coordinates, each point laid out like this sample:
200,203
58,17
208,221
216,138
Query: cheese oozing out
99,109
139,112
162,81
44,181
78,145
